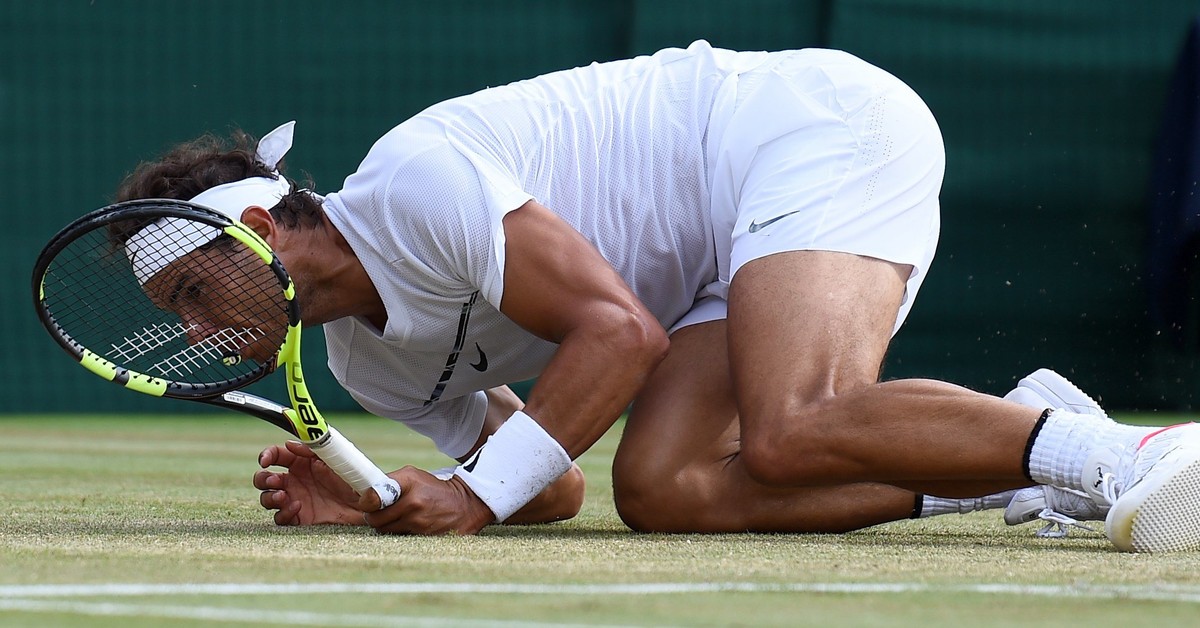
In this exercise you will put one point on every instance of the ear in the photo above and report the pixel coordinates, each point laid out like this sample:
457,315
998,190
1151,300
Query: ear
261,222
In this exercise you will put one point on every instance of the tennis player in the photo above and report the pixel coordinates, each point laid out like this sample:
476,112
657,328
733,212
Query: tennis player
725,240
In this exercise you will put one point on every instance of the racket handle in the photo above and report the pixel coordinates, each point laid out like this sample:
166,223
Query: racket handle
355,468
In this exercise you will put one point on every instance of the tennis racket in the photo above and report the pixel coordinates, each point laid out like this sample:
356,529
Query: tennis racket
171,299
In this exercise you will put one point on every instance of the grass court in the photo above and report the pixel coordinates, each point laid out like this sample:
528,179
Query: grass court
151,521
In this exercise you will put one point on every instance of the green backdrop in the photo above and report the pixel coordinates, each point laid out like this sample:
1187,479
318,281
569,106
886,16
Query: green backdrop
1049,112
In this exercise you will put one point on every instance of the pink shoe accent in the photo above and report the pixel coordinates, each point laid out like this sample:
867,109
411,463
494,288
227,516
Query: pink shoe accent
1157,432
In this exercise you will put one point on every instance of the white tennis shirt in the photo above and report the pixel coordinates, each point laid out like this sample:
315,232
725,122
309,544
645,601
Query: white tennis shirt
618,150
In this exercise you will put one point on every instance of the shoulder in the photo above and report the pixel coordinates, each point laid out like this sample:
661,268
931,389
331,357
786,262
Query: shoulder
417,154
419,198
445,159
411,171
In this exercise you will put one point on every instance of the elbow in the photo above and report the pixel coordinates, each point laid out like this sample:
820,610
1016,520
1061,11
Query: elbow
643,341
560,501
655,343
571,489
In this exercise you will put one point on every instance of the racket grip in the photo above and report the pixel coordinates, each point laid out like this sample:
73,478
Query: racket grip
355,468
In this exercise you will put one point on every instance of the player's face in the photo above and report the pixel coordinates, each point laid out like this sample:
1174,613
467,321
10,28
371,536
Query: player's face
226,296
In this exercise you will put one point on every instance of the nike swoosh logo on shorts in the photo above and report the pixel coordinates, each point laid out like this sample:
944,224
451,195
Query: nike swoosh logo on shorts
481,365
756,226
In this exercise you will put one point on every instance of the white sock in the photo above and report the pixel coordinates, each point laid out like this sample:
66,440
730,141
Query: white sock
1065,440
932,506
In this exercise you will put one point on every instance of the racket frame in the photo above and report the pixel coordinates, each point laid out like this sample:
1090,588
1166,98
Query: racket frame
157,208
302,420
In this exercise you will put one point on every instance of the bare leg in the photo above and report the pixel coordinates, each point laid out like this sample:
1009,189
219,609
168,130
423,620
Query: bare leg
679,466
807,335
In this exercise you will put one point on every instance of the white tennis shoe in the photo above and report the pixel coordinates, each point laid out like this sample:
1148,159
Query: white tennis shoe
1153,489
1148,495
1061,508
1044,388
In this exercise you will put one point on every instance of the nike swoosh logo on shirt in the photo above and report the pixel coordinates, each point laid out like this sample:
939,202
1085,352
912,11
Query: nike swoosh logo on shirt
756,226
481,365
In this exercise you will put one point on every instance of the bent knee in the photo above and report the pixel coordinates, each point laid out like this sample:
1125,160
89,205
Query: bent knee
772,463
635,488
660,500
647,507
792,447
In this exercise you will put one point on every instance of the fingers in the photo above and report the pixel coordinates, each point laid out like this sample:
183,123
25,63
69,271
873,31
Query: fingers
276,455
287,511
268,480
272,485
380,518
288,514
428,505
272,500
300,449
301,489
284,455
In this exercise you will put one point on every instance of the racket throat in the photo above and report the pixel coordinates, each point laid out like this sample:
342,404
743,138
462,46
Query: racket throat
310,425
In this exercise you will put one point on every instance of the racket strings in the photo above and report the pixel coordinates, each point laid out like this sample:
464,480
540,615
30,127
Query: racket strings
223,346
147,340
213,315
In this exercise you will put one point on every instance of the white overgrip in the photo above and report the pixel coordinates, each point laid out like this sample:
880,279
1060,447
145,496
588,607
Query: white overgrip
355,468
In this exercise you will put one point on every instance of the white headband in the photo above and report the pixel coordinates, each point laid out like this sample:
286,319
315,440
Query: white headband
144,249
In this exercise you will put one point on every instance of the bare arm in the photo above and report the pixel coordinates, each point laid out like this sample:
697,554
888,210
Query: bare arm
559,287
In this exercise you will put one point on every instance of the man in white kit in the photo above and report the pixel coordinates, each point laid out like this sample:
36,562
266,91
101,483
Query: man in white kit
725,240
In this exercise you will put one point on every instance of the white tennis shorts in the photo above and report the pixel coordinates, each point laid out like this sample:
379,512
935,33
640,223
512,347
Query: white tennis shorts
818,150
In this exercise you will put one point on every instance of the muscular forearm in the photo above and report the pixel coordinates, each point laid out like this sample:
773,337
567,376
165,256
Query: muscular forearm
593,377
560,288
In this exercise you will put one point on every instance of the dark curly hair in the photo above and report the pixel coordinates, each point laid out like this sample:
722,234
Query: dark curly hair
206,162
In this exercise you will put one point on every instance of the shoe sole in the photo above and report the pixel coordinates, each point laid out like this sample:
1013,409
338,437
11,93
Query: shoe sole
1159,514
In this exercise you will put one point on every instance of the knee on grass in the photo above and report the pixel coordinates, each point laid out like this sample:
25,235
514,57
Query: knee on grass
663,501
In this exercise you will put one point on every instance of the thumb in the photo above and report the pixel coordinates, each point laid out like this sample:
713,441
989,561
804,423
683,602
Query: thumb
369,501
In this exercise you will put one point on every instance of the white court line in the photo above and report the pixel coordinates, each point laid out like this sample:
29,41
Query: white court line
1157,592
17,598
246,615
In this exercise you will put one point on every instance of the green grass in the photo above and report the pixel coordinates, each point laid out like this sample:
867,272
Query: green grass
108,500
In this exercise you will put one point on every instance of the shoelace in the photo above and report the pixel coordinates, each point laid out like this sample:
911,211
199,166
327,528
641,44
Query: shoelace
1109,487
1058,525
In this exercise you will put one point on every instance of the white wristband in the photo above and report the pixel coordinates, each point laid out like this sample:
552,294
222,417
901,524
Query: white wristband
515,464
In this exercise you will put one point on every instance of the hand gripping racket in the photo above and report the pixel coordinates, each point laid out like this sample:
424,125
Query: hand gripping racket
172,299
